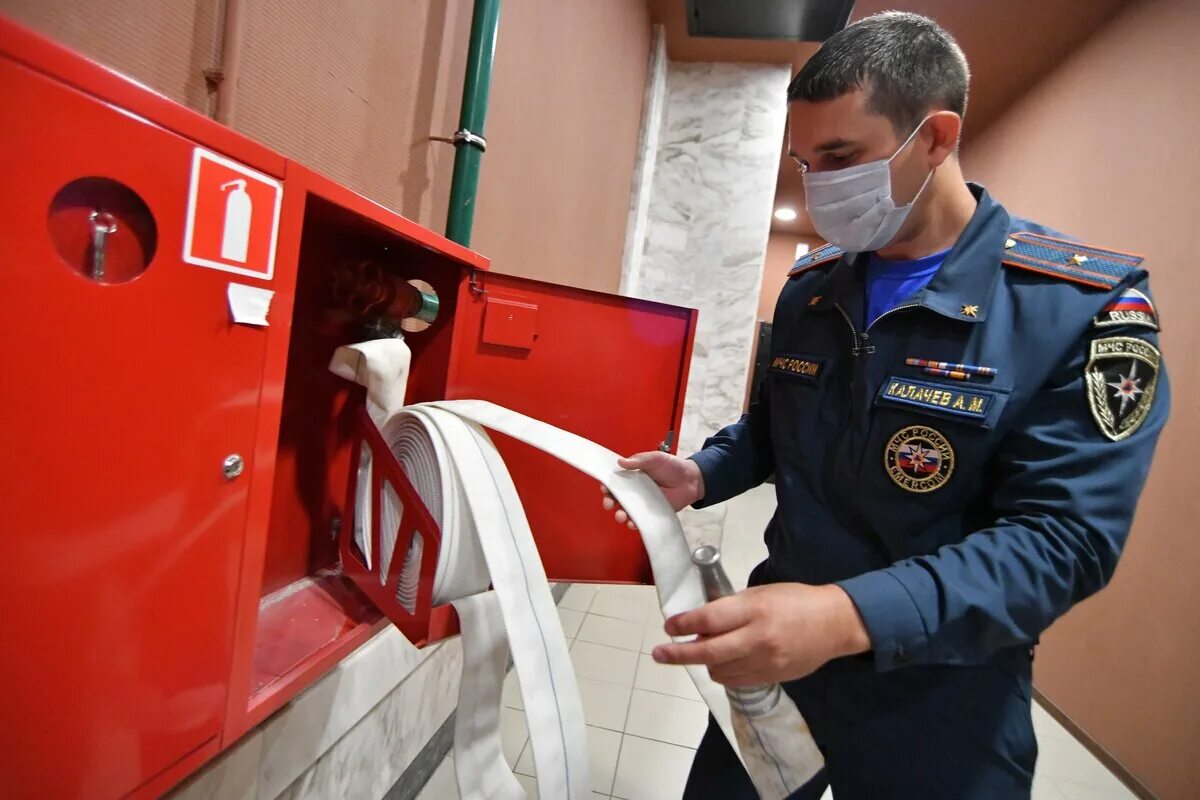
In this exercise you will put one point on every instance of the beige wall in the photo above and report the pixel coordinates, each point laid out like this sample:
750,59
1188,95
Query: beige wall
781,254
355,88
165,45
1105,148
562,133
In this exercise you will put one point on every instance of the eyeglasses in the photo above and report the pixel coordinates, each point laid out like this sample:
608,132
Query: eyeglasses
801,164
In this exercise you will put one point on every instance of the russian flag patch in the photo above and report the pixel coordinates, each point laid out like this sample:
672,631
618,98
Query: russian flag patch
1130,308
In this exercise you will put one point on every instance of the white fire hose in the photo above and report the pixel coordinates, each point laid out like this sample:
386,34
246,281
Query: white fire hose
455,468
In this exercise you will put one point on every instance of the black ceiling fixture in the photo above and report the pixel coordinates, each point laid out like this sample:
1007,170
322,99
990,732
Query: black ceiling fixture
796,20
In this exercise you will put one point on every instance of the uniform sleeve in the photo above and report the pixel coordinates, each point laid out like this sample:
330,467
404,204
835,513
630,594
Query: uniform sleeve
1064,500
738,457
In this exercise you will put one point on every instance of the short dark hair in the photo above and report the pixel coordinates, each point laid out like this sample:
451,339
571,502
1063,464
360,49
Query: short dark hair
907,64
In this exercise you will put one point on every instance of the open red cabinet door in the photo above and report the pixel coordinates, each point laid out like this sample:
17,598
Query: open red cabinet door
611,369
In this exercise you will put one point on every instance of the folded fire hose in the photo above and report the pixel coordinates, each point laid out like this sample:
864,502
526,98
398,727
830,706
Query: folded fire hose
459,475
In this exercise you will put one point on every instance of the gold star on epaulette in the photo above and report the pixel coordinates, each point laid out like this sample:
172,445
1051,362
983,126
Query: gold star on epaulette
970,311
1079,260
816,298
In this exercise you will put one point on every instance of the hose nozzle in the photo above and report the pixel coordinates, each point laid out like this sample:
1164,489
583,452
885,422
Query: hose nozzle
712,574
754,701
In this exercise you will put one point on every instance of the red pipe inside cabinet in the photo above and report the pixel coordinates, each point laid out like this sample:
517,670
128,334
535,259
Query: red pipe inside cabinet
177,474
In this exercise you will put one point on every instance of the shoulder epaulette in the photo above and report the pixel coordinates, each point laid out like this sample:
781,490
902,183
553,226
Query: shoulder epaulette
1072,261
822,255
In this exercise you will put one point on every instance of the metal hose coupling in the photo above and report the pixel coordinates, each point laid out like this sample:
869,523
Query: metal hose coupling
753,701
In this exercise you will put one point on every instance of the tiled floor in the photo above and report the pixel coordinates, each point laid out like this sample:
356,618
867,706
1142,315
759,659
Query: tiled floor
645,720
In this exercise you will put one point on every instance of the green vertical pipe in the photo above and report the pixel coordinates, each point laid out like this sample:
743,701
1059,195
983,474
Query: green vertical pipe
467,156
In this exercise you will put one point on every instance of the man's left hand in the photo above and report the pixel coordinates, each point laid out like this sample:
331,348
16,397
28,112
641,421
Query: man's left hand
767,634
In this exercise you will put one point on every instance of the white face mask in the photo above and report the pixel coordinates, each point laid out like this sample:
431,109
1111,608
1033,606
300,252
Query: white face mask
853,207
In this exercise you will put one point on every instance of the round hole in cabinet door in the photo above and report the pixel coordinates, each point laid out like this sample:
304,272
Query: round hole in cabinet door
129,235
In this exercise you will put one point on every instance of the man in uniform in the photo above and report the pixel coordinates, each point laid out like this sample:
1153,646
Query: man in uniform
960,413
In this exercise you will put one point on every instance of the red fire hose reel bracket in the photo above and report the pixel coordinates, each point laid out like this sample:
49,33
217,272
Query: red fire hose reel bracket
425,623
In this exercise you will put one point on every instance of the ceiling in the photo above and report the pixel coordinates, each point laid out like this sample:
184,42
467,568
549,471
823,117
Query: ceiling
1009,44
671,14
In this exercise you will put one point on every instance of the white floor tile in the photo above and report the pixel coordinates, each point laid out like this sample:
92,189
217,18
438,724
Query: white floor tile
571,620
511,698
653,635
1079,791
602,663
579,597
442,785
611,601
525,762
1044,789
637,591
649,770
529,785
749,514
742,546
664,679
603,747
604,704
1069,761
1047,727
666,719
612,632
513,734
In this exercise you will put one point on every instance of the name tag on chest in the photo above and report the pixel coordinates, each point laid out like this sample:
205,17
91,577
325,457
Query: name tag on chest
798,366
966,403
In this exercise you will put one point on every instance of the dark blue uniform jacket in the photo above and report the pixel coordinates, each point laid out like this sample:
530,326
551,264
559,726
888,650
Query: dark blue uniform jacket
962,516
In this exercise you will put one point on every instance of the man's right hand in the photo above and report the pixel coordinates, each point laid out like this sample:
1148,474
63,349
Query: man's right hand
679,479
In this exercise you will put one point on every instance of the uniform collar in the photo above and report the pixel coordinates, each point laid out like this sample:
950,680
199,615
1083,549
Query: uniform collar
961,289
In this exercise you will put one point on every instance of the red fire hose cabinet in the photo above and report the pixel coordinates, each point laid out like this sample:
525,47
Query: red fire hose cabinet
178,457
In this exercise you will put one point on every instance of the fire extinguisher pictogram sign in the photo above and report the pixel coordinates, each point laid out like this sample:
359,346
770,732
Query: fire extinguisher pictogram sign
232,217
